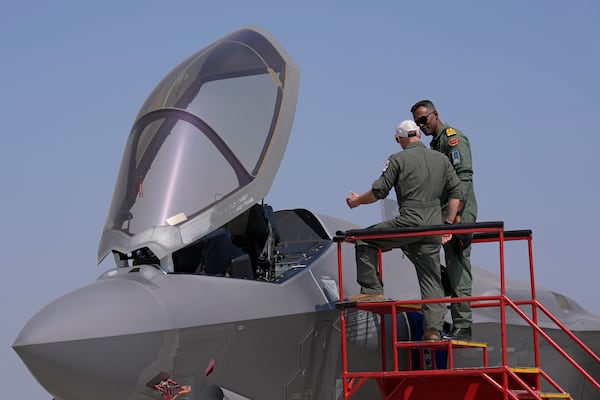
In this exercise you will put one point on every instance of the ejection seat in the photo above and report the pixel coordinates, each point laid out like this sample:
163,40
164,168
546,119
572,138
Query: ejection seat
243,248
214,254
255,231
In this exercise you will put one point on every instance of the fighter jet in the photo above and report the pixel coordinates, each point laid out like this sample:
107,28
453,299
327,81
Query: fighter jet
214,295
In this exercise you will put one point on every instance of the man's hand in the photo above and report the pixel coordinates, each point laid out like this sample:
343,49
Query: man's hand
463,240
356,199
353,200
446,238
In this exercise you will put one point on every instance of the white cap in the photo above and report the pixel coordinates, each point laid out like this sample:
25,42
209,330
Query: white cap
406,129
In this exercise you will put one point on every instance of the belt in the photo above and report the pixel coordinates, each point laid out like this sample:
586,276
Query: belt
420,204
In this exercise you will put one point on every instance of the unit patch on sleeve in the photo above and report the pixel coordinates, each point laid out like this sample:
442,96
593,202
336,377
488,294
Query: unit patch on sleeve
386,164
454,141
455,156
450,132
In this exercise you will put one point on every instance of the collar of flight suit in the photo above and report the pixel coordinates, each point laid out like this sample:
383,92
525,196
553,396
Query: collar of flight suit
438,136
415,144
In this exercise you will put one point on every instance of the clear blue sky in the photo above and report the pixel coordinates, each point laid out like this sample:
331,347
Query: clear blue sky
520,78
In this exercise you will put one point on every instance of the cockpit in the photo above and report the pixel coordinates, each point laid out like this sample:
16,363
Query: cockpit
202,153
259,244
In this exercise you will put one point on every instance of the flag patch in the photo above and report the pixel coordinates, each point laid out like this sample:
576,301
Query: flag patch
454,141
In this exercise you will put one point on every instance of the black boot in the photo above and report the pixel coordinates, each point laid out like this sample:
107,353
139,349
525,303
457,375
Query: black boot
458,334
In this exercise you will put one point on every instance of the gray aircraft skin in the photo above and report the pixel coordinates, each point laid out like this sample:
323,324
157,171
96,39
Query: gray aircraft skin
185,302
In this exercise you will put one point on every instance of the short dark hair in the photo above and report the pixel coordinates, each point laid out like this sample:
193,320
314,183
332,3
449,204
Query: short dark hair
428,104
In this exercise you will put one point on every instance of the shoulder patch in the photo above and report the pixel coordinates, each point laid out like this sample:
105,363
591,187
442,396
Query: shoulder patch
450,132
454,141
386,164
455,157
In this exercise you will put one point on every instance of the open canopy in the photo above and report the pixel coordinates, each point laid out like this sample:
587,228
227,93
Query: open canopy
205,146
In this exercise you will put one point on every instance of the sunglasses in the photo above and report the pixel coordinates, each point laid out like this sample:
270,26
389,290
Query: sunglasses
423,120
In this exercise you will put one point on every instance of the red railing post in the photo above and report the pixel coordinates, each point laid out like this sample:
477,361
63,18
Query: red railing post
536,339
502,300
342,322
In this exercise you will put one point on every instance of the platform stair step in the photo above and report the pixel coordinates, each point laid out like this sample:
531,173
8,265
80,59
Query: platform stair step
440,344
524,395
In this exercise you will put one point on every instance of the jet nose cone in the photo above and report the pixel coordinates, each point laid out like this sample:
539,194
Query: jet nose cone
107,332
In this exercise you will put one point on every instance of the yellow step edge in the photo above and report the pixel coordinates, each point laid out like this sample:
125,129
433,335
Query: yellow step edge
545,395
412,306
525,370
468,343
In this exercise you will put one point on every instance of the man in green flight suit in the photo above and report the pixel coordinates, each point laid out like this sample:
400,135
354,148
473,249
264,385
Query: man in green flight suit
420,177
455,145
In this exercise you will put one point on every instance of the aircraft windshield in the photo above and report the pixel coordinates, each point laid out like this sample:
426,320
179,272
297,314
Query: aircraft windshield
178,162
203,134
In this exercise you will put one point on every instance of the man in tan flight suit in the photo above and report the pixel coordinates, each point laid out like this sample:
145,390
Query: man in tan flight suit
420,177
